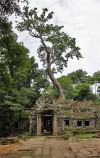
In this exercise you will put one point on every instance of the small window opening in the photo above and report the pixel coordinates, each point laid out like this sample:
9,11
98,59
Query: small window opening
66,122
79,123
87,123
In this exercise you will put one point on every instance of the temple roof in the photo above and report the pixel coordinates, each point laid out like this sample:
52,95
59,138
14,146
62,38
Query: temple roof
67,107
45,102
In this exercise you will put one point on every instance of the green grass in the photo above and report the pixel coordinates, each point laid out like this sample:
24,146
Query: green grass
84,136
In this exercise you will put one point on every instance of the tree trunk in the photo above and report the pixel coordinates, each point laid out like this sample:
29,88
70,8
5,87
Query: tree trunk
51,76
53,79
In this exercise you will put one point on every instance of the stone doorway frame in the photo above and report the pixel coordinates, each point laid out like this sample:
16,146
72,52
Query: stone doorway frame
47,124
39,122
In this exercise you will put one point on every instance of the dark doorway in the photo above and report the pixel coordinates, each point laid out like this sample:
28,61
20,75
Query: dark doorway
47,123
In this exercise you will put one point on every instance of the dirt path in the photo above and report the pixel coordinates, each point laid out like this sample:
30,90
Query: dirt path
43,147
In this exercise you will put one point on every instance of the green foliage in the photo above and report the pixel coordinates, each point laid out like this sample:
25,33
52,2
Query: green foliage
83,92
96,76
52,91
14,56
78,76
25,115
62,46
65,81
77,86
5,78
67,86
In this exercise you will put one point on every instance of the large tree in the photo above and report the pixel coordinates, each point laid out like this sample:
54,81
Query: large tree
20,79
56,46
17,70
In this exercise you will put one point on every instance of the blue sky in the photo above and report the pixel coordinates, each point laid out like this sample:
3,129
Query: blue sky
81,20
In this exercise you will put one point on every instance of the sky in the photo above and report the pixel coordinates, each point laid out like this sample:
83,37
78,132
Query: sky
81,20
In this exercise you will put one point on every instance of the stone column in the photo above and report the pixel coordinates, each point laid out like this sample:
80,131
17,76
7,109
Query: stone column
55,129
38,124
63,125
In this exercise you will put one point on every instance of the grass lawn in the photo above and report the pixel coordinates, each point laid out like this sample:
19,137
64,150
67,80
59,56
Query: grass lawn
84,136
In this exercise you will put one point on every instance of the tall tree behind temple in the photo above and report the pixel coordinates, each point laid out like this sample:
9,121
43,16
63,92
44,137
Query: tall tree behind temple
56,46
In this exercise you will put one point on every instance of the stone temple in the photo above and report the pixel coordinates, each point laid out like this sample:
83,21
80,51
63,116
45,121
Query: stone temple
52,117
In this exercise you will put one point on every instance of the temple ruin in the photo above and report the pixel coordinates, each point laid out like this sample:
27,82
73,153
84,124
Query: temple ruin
52,117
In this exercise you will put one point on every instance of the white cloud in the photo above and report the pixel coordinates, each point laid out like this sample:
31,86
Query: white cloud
81,19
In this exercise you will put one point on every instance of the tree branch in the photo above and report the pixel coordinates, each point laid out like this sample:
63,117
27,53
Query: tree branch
33,34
